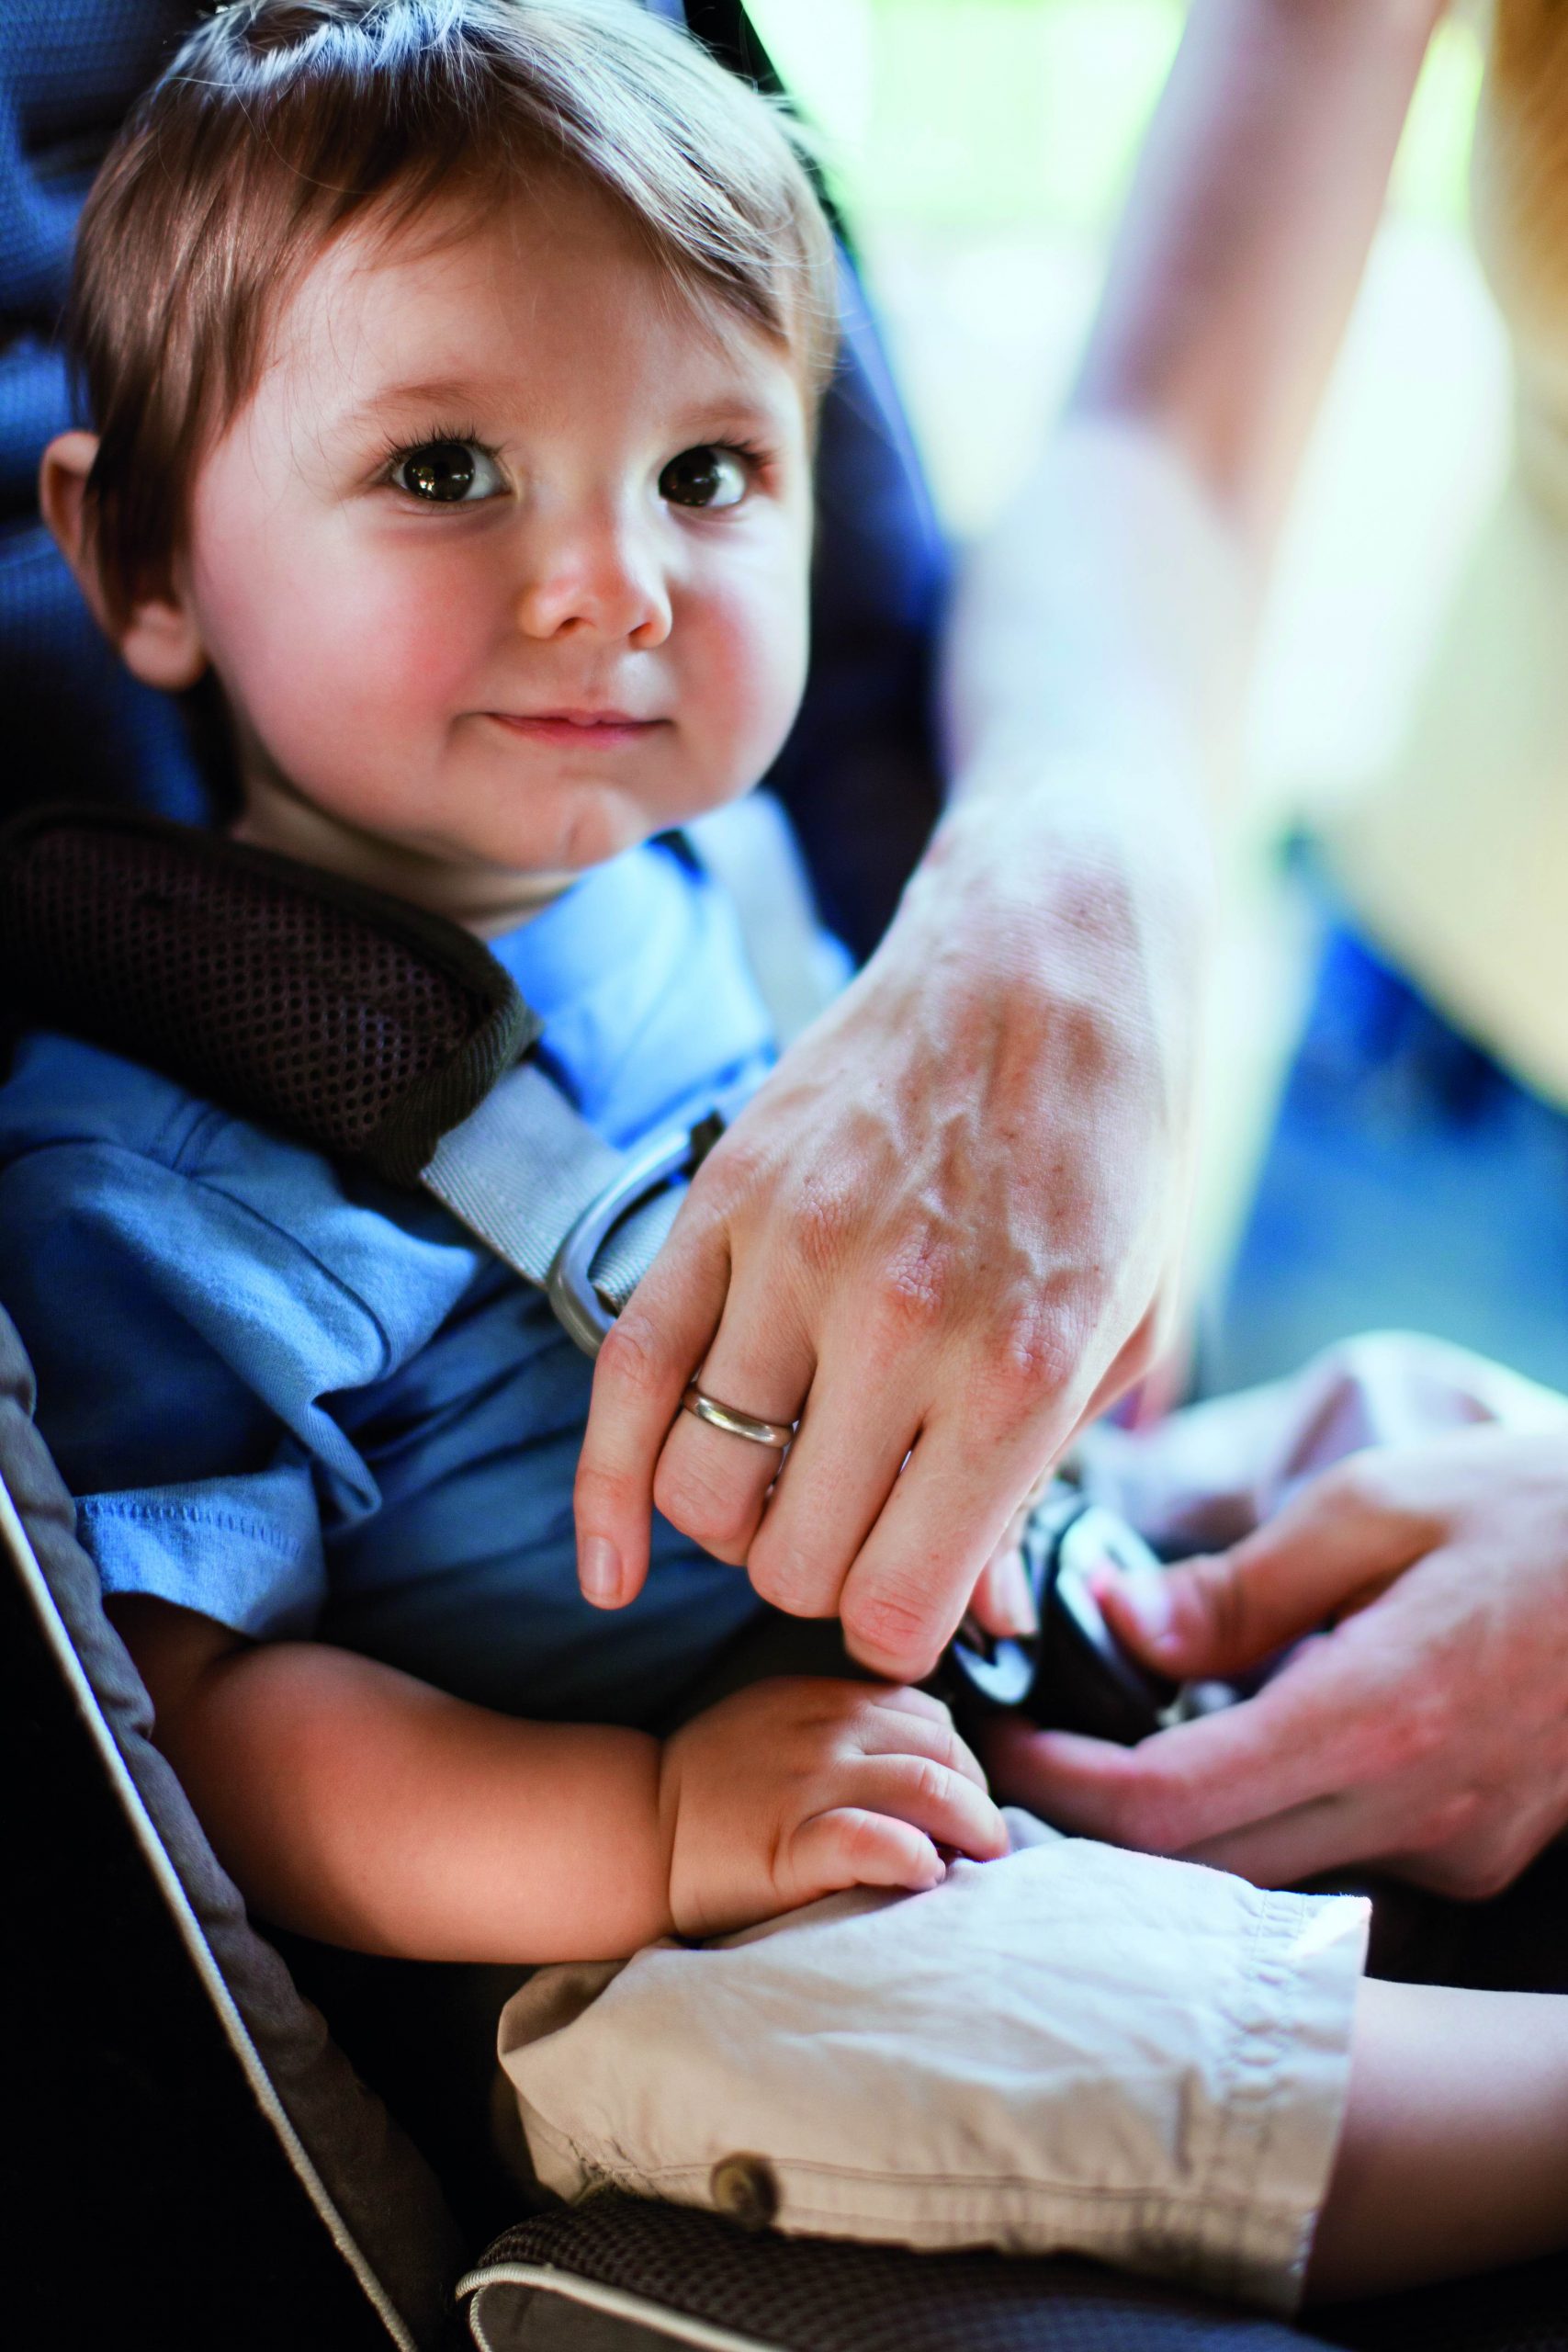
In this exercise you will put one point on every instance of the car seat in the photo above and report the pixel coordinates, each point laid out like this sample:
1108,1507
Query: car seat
192,2157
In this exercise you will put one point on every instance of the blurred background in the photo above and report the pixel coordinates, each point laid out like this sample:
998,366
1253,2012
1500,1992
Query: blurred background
980,148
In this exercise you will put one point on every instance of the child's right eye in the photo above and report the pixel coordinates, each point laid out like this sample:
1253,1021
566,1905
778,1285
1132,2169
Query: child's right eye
446,473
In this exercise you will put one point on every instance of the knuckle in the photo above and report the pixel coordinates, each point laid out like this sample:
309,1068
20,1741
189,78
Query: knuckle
601,1498
737,1168
932,1782
885,1626
911,1291
633,1356
1412,1728
704,1506
791,1579
1030,1356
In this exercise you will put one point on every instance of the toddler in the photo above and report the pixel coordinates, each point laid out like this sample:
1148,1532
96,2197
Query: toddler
453,369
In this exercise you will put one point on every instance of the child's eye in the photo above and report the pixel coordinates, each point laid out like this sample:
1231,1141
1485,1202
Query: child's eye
446,473
705,477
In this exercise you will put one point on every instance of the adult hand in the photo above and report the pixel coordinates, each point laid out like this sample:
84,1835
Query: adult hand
938,1233
942,1231
1425,1731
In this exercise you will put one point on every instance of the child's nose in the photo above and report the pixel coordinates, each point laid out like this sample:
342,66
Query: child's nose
593,572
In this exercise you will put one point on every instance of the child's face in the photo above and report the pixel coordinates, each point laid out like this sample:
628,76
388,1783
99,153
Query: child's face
604,632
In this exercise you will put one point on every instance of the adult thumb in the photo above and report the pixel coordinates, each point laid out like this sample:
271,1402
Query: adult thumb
1324,1555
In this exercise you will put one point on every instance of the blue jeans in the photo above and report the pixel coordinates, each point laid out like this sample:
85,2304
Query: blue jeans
1410,1182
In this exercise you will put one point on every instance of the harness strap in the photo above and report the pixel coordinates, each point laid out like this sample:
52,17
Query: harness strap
526,1173
367,1029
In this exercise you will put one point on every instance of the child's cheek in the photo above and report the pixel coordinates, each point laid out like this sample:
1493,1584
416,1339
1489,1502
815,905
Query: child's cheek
751,667
347,664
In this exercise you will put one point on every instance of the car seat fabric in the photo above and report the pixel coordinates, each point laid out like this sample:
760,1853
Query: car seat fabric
75,722
655,2270
183,2072
620,2275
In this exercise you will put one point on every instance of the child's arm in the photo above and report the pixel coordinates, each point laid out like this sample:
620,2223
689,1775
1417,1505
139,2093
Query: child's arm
1454,2156
357,1805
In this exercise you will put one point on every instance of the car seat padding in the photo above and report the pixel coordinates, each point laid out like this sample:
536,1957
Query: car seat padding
178,2089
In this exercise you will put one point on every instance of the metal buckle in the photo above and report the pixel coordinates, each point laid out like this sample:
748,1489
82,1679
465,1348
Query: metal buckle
570,1283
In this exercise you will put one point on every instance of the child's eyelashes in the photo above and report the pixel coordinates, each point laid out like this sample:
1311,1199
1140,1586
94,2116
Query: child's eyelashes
460,469
714,474
448,469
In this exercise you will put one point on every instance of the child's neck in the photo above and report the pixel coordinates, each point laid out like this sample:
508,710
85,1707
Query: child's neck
485,900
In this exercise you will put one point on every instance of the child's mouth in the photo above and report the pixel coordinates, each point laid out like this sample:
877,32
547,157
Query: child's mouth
585,729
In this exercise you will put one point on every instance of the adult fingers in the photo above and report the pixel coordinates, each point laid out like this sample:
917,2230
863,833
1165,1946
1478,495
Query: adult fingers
907,1588
1319,1730
1410,1827
1002,1603
710,1483
850,1847
1334,1544
1329,1833
853,1445
651,1351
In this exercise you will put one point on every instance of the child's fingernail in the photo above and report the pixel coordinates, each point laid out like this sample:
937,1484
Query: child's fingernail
1018,1614
599,1571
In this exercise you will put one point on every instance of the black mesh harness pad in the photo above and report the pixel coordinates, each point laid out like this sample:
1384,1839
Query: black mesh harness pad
347,1018
353,1023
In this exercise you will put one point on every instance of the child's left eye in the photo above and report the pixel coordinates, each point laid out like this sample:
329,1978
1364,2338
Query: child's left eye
708,476
447,473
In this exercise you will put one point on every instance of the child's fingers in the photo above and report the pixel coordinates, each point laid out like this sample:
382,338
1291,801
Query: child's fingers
895,1727
853,1847
929,1795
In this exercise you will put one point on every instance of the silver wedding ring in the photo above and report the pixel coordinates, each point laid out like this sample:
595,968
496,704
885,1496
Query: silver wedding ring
725,1416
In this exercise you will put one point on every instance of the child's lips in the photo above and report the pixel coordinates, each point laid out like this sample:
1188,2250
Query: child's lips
580,730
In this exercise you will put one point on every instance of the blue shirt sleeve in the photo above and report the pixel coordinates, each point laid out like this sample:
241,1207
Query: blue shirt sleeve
190,1304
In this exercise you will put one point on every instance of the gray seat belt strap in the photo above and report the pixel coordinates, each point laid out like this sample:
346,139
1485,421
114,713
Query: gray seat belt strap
526,1173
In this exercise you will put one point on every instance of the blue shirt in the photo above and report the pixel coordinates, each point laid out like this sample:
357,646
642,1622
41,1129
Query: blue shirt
303,1403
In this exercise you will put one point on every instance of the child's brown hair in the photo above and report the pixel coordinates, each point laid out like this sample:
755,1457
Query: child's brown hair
281,121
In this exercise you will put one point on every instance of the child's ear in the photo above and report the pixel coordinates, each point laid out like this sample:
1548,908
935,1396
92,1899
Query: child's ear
157,640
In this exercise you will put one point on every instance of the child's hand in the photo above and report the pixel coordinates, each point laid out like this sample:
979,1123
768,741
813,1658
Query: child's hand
796,1789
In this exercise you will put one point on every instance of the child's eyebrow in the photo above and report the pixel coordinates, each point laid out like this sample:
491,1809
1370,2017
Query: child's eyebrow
739,406
434,394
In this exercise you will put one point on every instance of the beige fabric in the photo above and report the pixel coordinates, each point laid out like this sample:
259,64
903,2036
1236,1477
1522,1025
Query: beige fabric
1458,859
1073,2050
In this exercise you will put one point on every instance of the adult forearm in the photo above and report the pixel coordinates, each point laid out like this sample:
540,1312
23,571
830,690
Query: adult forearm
1246,232
359,1806
1103,628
